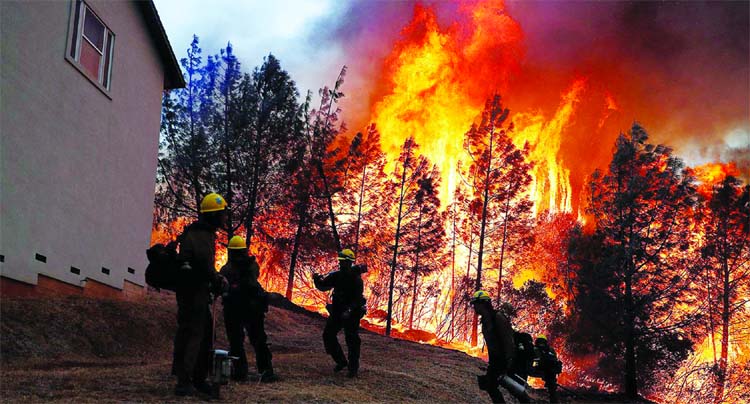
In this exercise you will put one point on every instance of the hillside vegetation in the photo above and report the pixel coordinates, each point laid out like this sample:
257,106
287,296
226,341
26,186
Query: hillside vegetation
85,350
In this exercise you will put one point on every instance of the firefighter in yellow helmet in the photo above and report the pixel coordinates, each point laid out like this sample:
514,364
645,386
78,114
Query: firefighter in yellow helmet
245,306
198,281
498,337
345,311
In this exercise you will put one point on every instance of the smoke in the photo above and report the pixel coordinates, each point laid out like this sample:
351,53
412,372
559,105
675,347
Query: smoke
680,69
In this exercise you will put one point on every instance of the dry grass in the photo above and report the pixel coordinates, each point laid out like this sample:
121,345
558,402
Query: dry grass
83,350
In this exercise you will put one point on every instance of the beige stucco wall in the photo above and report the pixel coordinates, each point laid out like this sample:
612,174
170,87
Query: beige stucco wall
77,167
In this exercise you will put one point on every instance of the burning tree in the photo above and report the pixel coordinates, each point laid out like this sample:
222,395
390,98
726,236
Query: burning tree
323,131
424,235
499,175
310,158
409,180
633,294
726,256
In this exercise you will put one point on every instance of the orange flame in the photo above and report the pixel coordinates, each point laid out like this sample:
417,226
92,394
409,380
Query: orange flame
436,81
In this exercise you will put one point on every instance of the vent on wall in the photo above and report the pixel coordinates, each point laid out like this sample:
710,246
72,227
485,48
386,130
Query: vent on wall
131,270
41,258
105,271
75,270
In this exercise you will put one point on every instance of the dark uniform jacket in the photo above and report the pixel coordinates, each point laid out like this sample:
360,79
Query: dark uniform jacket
198,248
498,335
244,290
347,289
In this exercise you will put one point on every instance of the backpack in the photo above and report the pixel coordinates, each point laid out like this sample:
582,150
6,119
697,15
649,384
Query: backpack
163,266
524,353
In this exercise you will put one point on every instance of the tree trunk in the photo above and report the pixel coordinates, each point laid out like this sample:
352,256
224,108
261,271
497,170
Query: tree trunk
482,228
452,293
389,315
359,209
416,268
468,277
332,216
228,158
295,248
254,186
725,317
502,251
631,378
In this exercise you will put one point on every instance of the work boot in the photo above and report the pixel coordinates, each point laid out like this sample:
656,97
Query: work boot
268,377
340,366
184,390
204,390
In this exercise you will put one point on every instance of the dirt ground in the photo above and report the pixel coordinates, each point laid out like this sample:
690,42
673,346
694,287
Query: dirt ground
92,351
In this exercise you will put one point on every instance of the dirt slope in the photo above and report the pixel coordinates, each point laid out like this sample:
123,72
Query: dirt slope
82,350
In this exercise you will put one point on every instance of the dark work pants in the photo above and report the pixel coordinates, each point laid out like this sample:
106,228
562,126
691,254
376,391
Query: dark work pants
550,382
495,395
193,340
252,323
494,373
334,324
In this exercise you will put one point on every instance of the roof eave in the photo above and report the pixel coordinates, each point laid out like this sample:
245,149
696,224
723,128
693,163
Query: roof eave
172,73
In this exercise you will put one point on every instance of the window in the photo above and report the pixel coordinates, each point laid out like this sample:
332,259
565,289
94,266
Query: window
91,44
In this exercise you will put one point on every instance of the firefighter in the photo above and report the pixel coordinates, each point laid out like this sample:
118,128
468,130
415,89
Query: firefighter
524,355
345,311
547,366
245,304
197,282
498,337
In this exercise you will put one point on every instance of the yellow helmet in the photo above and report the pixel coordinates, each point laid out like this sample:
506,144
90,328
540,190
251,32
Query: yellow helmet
237,243
544,337
346,255
480,296
213,202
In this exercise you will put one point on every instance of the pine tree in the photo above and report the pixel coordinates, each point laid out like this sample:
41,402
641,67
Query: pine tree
499,174
404,186
726,255
186,158
423,234
641,209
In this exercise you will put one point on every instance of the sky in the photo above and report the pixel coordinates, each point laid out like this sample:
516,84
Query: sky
286,28
682,67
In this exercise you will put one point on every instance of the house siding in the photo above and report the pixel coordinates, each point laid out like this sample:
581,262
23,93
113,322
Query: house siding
78,167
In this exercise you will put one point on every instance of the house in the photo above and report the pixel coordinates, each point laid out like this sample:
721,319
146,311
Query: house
80,104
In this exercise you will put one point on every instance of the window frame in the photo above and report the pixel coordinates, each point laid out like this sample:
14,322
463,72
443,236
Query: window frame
75,38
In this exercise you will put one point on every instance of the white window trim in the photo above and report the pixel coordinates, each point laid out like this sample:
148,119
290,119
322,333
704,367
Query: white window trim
74,61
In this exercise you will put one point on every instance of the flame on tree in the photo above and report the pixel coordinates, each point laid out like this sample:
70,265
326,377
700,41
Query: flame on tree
498,174
633,286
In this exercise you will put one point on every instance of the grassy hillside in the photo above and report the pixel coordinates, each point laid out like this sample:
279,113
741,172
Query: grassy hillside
84,350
